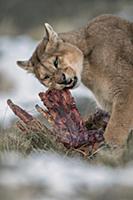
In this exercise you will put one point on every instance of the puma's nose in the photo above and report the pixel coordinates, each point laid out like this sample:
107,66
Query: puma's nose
64,80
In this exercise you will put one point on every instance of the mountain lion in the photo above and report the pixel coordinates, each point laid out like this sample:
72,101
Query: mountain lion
101,56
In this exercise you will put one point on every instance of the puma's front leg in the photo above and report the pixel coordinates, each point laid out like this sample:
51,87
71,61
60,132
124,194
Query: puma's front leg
121,121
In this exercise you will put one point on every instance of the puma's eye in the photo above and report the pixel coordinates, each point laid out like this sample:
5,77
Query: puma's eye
46,77
56,62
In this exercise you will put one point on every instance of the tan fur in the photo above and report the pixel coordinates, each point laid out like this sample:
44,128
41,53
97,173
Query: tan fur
102,53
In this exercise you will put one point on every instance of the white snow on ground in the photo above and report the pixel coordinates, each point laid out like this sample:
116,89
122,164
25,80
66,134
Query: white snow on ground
61,177
27,86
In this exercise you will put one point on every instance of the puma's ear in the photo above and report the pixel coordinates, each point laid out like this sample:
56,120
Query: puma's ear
51,34
26,65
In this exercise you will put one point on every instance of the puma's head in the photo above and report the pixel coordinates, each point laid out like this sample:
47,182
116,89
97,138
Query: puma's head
55,63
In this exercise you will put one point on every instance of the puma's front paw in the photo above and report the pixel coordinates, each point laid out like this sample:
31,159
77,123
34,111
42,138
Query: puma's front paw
115,140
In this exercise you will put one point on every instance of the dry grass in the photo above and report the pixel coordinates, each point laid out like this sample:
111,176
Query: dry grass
14,140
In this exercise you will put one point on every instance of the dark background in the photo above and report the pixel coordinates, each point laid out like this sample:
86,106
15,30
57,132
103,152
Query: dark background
27,17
